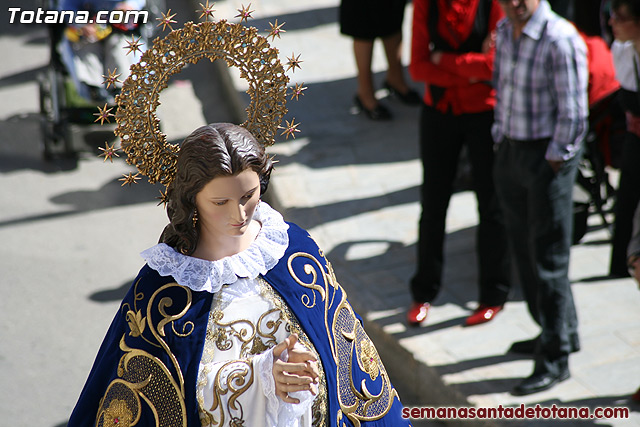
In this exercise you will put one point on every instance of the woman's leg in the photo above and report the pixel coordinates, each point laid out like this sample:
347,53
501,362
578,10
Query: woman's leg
363,52
395,74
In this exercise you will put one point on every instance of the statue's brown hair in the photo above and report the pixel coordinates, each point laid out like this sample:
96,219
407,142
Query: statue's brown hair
219,149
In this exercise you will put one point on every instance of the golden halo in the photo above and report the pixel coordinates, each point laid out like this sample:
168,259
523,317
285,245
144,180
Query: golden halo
240,46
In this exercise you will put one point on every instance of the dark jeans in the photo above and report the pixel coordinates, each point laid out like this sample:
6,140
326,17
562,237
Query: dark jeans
442,137
538,211
627,198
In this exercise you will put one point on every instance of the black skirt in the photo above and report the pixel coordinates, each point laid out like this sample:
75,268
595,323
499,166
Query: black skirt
369,19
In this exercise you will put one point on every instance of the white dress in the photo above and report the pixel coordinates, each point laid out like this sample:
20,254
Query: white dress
247,319
624,58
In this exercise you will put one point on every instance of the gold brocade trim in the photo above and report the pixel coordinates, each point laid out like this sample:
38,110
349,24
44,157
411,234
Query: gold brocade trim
142,375
320,404
367,359
235,377
223,336
118,414
252,339
346,336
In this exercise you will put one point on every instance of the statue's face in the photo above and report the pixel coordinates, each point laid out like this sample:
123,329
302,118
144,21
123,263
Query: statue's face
227,203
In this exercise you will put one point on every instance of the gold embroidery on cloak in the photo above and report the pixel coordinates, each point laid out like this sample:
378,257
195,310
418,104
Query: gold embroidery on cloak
346,336
142,375
320,404
253,339
234,377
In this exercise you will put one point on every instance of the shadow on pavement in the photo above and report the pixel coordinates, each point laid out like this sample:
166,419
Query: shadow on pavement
110,295
326,117
17,29
348,208
23,149
109,196
21,77
298,20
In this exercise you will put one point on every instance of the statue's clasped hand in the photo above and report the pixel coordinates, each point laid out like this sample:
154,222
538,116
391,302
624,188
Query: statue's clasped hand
297,372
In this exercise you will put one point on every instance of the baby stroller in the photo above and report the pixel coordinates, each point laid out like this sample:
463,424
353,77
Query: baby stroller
64,99
603,140
606,133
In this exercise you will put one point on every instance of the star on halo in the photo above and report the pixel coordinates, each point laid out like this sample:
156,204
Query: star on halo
290,129
294,62
108,151
245,13
167,19
163,199
297,91
129,178
206,11
103,114
111,78
276,30
134,45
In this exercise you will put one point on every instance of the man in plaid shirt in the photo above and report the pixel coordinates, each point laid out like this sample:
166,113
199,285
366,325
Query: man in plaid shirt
541,77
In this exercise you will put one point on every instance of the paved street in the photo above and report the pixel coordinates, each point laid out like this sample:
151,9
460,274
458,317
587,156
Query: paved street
71,236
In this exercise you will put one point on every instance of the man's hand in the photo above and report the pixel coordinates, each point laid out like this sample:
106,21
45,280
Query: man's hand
436,56
489,42
299,373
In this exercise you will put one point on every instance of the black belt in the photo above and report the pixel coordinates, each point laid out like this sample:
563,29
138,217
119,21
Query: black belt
527,141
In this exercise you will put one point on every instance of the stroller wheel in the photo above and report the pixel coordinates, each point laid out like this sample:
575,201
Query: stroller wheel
53,122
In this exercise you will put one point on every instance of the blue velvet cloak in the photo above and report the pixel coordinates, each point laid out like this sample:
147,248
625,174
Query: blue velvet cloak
146,370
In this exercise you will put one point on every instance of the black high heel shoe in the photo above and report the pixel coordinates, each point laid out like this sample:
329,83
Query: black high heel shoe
380,112
411,97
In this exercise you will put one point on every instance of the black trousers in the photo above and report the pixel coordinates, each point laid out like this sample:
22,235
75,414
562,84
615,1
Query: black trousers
627,198
538,211
442,136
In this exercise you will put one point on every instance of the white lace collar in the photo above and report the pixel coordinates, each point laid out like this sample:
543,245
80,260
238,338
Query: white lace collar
202,275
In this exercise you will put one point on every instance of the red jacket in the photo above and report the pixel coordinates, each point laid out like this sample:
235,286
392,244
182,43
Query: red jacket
455,71
602,73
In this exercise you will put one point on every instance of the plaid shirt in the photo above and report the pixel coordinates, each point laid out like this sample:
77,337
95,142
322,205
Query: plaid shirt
541,80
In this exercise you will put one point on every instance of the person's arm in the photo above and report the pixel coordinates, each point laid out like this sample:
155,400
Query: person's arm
496,128
476,66
421,66
569,80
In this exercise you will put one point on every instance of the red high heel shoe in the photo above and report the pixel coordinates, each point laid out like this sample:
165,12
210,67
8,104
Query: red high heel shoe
483,314
417,313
